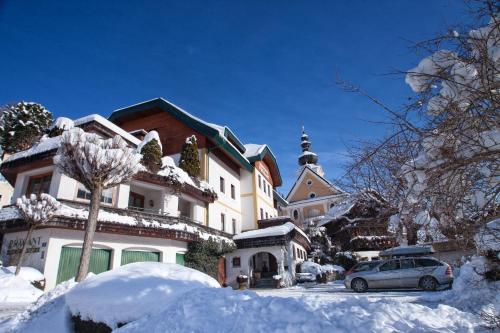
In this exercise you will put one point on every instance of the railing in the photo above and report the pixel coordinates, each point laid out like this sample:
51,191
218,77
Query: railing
160,218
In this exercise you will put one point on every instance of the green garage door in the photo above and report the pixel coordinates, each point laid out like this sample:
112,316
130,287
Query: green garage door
179,258
139,256
70,258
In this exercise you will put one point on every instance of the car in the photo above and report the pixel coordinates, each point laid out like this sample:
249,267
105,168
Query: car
425,273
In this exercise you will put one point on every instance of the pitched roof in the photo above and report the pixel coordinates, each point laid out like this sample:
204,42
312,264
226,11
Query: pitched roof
259,152
222,135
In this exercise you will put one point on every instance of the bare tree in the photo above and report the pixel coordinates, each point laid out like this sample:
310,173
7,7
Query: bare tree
35,211
440,166
98,164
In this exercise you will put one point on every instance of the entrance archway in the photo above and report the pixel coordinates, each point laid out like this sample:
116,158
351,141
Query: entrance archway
263,265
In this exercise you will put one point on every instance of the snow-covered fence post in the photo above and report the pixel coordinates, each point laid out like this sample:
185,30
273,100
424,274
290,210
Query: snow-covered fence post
98,164
34,211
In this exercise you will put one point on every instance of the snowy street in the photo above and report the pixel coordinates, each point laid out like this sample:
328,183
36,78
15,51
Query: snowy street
9,310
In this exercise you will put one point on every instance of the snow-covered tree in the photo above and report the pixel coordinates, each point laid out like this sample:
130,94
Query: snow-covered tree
151,151
35,211
60,125
98,164
444,153
189,160
22,124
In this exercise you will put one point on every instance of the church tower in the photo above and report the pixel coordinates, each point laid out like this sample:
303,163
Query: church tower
308,158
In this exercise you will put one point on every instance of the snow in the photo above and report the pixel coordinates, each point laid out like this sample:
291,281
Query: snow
134,291
317,269
253,149
408,250
45,144
169,169
488,237
29,274
63,123
91,159
152,135
49,314
225,310
279,230
36,210
16,289
106,123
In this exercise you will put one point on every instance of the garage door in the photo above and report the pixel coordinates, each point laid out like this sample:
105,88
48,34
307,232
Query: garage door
70,259
179,259
139,256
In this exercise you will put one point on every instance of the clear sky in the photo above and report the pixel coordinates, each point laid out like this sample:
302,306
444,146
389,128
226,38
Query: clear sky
264,68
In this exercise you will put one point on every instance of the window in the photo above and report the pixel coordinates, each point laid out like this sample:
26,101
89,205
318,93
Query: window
309,182
264,185
390,266
236,262
136,201
106,196
407,263
331,205
269,189
222,185
295,214
261,214
260,181
267,215
425,262
294,253
234,226
223,222
39,184
365,266
233,192
312,195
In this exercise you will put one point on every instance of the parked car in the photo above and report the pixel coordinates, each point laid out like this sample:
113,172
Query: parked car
426,273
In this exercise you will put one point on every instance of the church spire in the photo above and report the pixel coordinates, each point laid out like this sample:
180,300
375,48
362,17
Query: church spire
307,156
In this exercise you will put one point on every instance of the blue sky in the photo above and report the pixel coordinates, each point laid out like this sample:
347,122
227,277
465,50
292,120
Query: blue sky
264,68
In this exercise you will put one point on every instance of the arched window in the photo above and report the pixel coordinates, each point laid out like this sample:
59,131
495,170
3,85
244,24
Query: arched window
295,214
331,205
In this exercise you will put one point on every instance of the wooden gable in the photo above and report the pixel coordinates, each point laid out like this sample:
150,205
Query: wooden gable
310,182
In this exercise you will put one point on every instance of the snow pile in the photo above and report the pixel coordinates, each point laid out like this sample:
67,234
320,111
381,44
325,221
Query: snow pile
16,289
170,170
29,274
279,230
48,314
152,135
134,291
317,269
225,310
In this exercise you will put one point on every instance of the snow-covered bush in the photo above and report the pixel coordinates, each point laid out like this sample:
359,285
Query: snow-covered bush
98,164
60,125
190,161
22,124
151,151
133,291
345,259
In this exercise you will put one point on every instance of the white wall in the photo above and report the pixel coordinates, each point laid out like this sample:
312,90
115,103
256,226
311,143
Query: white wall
37,250
6,191
224,203
47,259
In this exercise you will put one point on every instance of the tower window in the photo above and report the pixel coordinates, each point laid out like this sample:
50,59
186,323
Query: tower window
309,182
295,214
312,195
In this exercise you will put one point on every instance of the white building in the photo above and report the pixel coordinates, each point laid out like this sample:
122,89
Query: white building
145,219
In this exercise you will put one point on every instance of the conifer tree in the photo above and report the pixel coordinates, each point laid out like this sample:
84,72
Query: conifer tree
189,160
151,156
22,124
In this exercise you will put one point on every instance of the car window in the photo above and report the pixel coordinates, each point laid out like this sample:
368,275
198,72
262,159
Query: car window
407,263
390,266
426,262
365,266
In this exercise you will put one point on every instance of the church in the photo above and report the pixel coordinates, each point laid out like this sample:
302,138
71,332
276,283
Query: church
312,195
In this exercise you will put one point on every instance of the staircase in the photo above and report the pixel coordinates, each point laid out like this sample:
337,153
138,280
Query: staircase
265,283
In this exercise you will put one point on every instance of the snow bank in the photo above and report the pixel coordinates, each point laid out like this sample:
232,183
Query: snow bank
29,274
225,310
133,291
317,269
49,314
16,289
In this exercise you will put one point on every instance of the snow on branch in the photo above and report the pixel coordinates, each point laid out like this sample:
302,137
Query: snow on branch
94,161
37,210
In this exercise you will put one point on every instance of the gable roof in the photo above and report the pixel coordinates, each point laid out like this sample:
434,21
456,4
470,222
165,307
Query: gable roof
316,175
222,135
257,152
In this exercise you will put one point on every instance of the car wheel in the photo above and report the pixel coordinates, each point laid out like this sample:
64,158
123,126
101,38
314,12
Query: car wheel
428,283
359,285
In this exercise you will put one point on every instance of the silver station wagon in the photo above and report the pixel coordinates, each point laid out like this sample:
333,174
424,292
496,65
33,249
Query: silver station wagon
426,273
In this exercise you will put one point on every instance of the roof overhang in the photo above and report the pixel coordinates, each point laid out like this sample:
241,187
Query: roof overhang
268,157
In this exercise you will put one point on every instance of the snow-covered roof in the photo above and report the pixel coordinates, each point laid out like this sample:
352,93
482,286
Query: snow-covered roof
279,230
253,149
47,144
